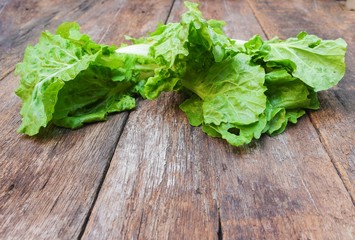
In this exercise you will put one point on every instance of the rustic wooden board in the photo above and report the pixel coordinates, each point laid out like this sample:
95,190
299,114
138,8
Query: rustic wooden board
334,122
155,187
49,183
284,188
168,180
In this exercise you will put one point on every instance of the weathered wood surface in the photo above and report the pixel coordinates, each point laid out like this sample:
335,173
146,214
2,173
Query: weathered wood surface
148,174
49,183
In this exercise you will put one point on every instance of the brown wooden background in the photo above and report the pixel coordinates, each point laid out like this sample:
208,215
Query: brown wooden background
147,174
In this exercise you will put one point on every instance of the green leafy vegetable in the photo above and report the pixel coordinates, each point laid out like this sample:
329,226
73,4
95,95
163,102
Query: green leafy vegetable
318,63
44,71
236,90
232,91
69,79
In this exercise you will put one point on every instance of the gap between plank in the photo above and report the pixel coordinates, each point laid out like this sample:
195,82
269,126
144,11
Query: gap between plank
257,19
107,167
170,10
338,168
102,180
8,73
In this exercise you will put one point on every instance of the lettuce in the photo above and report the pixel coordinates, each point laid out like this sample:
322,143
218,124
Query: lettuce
236,90
68,79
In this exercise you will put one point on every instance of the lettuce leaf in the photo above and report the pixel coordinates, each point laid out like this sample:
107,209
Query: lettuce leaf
318,63
192,43
45,69
232,91
90,96
71,79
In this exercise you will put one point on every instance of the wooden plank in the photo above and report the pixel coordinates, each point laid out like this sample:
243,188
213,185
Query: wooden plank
334,122
284,188
154,184
168,180
155,188
49,183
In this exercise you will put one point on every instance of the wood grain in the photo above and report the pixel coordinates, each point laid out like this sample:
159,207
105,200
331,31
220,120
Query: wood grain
157,188
168,180
334,121
49,183
285,188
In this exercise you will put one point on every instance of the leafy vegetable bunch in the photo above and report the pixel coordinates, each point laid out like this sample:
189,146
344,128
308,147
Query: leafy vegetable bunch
237,90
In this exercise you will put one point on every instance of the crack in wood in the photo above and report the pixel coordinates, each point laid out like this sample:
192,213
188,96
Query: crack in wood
109,27
55,202
10,187
220,231
140,225
46,182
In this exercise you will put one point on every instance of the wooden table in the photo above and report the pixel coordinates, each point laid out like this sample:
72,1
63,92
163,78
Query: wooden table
147,174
